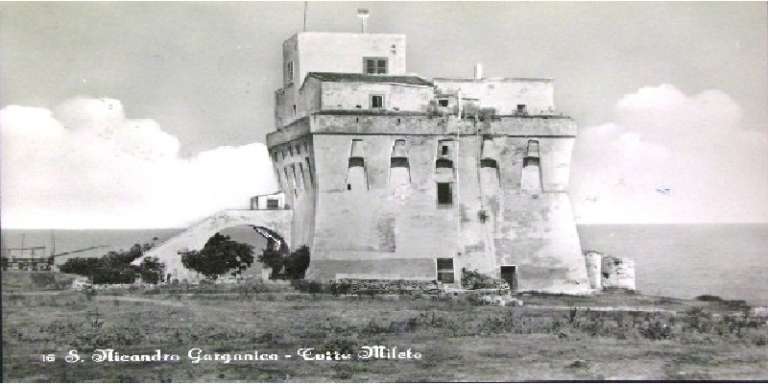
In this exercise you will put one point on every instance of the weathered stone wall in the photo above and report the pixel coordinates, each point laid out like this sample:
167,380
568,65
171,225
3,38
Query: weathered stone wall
385,230
504,94
397,97
344,52
618,273
594,261
294,165
195,237
297,101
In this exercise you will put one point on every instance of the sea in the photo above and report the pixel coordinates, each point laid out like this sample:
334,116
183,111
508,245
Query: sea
678,260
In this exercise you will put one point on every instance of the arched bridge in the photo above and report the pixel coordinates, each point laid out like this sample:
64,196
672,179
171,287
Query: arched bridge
274,225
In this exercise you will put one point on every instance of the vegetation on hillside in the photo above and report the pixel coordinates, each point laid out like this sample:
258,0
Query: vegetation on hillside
115,267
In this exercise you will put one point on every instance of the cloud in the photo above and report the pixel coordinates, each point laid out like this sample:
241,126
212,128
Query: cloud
86,165
694,146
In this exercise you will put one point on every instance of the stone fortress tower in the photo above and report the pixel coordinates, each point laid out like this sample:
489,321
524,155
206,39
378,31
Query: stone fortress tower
389,175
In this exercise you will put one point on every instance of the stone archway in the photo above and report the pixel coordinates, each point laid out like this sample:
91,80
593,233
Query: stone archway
274,225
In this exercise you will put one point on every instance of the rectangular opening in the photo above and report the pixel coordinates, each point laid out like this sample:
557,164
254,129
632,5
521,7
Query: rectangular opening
375,65
273,204
445,270
521,109
444,150
442,102
399,162
444,195
377,101
509,274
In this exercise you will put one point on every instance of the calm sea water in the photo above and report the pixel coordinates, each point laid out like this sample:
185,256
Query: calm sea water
728,260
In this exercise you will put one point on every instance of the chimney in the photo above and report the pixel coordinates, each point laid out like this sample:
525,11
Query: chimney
478,71
363,14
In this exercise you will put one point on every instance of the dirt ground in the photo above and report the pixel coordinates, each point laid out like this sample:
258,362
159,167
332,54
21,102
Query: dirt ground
549,338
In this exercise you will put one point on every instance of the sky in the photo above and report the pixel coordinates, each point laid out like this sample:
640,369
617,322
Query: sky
144,115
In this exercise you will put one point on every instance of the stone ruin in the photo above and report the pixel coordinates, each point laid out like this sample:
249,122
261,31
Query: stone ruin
606,272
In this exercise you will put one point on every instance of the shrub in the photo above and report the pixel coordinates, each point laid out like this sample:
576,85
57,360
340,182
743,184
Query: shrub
112,268
656,330
151,270
274,260
308,286
297,263
708,298
294,264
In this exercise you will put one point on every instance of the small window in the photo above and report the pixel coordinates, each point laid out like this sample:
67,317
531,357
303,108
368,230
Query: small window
375,65
444,195
445,270
273,204
521,109
294,109
442,102
289,72
377,101
444,150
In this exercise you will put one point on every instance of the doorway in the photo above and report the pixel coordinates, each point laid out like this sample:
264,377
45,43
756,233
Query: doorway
509,274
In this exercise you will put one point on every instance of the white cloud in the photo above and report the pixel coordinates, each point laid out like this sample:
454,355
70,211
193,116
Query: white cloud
662,138
85,165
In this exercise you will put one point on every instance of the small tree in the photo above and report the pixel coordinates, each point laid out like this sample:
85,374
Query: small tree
297,263
274,260
151,270
219,256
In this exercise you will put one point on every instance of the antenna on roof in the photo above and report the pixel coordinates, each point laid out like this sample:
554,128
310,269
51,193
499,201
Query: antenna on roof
363,14
305,16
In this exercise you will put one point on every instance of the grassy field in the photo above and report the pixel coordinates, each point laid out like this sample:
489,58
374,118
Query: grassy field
550,338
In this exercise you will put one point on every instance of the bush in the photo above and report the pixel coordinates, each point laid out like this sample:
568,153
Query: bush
151,270
112,268
308,286
297,263
274,260
708,298
219,256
